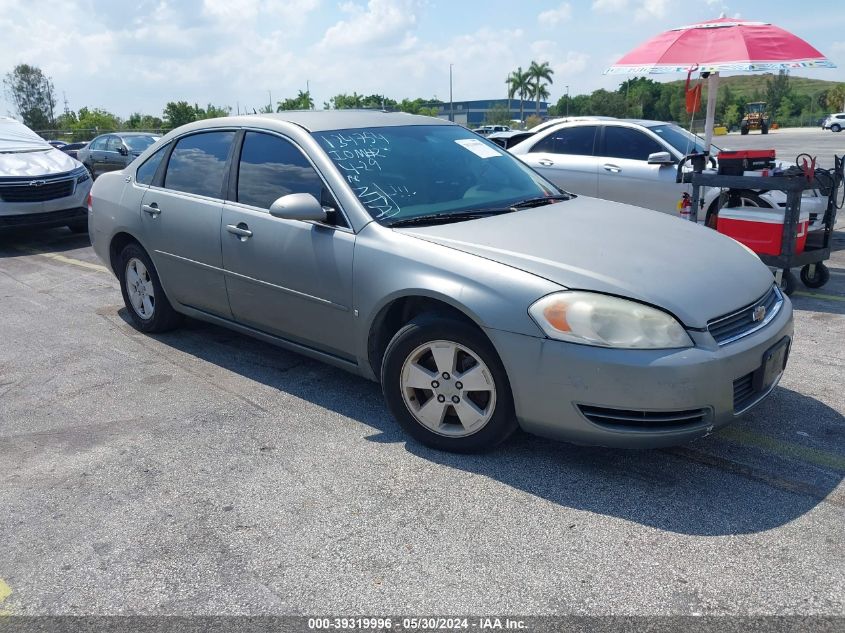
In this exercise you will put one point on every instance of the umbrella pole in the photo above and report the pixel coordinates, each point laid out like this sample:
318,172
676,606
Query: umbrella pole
712,93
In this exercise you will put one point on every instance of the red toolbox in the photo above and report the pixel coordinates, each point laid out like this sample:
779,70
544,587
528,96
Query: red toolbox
736,162
761,230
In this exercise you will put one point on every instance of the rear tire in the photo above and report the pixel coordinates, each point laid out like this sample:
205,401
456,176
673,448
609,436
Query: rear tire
835,128
143,295
421,377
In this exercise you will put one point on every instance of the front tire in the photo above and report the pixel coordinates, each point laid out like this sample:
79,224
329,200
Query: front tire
446,387
143,295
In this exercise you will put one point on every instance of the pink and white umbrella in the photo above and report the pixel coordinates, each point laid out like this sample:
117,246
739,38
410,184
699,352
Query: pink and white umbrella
721,45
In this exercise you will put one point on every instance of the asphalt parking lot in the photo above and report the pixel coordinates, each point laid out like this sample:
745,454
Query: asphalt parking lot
203,472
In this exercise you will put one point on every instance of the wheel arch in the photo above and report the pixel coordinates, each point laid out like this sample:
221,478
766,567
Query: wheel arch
118,242
398,310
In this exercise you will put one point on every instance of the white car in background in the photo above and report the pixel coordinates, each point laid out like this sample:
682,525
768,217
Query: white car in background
834,122
40,186
635,162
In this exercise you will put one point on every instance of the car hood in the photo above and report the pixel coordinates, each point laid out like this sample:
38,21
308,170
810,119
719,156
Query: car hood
588,244
38,162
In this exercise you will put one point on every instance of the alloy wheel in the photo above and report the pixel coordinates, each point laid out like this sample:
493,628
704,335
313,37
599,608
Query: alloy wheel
448,388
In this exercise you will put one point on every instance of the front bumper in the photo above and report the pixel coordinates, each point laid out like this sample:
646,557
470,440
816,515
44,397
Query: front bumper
554,383
57,212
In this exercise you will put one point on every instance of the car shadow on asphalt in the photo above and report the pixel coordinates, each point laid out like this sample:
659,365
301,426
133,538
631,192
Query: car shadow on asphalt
747,483
17,242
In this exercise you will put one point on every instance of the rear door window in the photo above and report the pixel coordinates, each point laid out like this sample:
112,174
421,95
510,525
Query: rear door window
625,142
571,140
198,163
98,144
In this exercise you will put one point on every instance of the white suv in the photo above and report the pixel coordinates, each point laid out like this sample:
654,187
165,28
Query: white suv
39,185
834,122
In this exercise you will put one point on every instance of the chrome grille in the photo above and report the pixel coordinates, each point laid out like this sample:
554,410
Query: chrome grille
642,419
734,326
35,189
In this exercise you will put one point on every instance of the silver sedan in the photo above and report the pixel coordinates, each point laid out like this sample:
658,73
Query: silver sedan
481,296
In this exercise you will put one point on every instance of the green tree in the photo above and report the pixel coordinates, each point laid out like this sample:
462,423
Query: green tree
519,83
732,116
212,111
31,91
178,113
302,101
784,111
91,122
605,103
539,74
777,89
835,100
138,121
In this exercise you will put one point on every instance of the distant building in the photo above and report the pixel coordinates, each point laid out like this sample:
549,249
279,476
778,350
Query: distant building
473,113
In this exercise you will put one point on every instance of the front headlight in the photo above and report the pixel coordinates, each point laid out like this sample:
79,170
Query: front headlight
81,175
591,318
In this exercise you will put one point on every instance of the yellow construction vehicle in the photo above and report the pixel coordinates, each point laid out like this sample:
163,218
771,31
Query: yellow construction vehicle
756,118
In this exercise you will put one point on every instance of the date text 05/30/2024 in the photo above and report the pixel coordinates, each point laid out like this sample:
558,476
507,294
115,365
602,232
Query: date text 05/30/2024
415,624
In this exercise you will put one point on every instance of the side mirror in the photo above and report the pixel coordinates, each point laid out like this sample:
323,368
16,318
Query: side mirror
660,158
123,151
298,206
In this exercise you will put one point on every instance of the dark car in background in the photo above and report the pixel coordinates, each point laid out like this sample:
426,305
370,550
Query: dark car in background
112,152
72,149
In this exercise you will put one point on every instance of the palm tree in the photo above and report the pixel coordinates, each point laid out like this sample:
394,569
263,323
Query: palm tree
519,83
539,73
306,101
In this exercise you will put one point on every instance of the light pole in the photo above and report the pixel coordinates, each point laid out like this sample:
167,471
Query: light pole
451,104
567,100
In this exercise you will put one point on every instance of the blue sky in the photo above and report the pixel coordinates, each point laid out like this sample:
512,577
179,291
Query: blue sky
134,56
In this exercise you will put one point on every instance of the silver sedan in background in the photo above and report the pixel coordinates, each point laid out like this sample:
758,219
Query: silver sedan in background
480,295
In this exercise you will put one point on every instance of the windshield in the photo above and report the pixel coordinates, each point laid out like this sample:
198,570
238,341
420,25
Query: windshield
139,143
403,172
681,140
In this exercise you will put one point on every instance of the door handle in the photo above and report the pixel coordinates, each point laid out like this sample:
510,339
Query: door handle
545,162
241,230
612,168
152,209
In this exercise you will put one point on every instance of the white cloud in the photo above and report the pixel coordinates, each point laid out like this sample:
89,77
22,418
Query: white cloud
553,17
651,9
609,6
381,23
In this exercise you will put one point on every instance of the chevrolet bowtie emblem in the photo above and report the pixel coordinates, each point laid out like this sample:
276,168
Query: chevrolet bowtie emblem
759,313
37,183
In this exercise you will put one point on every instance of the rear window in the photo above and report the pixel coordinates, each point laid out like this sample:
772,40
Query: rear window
198,163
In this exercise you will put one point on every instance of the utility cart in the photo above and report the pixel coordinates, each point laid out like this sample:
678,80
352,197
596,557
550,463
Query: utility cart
793,246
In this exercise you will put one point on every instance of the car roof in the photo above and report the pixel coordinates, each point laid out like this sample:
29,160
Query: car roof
323,120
